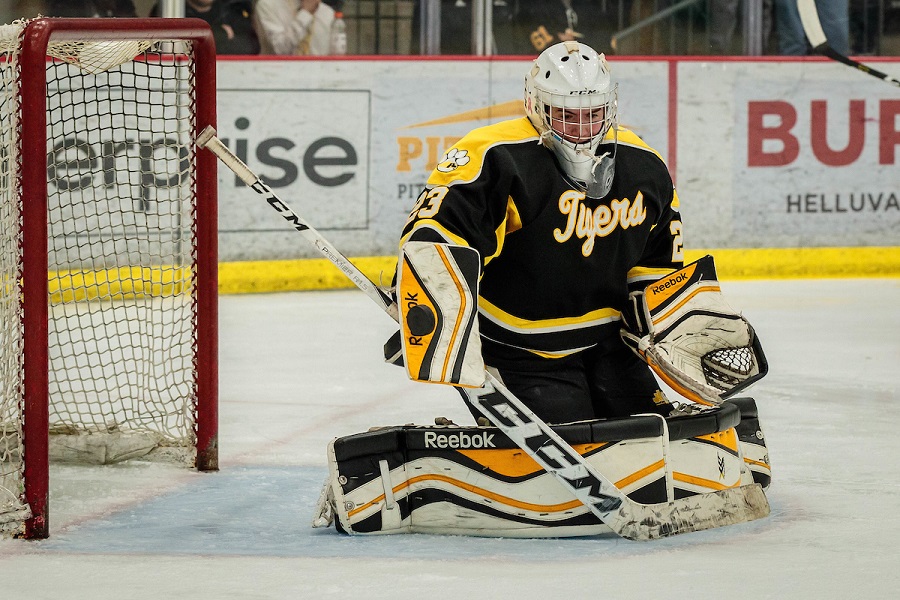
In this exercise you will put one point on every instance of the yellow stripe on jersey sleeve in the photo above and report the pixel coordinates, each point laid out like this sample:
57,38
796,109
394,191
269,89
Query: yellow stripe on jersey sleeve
513,219
512,222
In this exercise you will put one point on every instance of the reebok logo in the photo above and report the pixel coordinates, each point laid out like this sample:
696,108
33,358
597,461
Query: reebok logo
459,440
656,288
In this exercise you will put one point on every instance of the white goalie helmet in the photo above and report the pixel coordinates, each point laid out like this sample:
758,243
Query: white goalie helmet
571,100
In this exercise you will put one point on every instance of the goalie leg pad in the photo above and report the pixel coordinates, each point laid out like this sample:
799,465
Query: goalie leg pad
692,338
753,442
437,290
475,481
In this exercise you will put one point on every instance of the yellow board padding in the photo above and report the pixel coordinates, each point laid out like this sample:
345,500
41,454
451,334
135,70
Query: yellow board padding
298,275
792,263
321,274
745,263
120,283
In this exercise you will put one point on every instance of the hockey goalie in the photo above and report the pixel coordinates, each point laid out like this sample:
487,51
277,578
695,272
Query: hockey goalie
544,260
475,481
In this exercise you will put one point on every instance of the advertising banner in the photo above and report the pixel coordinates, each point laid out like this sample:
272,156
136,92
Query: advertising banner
350,145
788,154
764,154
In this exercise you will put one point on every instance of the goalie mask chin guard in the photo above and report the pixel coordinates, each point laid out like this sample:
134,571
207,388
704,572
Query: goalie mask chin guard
572,102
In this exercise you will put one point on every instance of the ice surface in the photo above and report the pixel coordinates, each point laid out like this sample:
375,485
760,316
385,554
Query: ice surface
299,369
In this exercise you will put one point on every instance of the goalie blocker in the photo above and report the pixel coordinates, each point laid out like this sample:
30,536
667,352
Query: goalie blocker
684,329
475,481
437,291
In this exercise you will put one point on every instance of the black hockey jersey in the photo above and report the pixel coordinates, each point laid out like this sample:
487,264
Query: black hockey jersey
557,265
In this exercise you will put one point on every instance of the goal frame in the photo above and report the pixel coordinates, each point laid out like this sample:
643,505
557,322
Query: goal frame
32,177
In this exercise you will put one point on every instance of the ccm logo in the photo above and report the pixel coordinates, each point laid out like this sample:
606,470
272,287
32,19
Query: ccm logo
659,287
459,440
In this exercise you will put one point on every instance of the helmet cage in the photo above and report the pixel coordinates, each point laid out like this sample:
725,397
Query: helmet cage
577,120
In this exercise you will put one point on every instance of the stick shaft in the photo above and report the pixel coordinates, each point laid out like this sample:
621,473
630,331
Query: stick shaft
208,140
809,17
835,55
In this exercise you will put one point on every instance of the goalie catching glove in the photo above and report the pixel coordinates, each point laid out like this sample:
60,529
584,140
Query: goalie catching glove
700,346
437,292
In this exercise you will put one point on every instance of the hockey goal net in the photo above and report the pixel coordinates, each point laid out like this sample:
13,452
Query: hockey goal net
107,251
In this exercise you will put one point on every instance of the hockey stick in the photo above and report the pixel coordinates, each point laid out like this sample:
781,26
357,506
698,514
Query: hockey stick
622,515
809,16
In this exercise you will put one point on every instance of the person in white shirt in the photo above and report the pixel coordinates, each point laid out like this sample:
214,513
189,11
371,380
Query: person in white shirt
301,27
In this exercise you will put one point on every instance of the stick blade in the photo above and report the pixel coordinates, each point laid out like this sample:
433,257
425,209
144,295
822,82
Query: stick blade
809,16
694,513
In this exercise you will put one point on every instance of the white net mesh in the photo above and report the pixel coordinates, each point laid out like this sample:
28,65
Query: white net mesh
121,254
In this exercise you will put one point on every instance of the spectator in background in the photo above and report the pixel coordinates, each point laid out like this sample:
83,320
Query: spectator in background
91,8
864,25
532,26
230,20
723,19
835,18
523,27
301,27
456,27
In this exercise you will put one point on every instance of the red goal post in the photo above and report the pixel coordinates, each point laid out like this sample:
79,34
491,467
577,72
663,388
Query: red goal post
108,251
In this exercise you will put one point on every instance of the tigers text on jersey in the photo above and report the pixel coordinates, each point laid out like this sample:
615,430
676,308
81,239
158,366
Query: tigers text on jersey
557,265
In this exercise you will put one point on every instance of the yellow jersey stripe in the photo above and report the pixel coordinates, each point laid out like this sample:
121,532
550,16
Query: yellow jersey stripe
520,325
